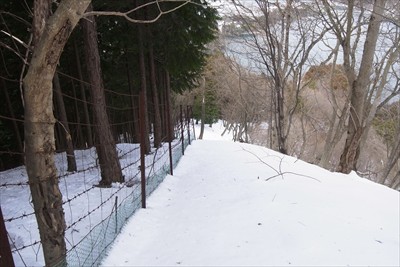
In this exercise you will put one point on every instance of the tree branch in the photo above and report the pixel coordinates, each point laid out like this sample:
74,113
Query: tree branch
279,172
127,17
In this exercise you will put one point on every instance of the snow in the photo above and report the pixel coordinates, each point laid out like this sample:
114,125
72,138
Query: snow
227,204
85,204
235,204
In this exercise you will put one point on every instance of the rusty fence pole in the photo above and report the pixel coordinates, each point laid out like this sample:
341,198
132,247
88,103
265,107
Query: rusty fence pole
182,131
142,126
6,258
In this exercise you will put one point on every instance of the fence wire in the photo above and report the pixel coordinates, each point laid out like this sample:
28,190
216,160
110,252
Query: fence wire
92,249
94,216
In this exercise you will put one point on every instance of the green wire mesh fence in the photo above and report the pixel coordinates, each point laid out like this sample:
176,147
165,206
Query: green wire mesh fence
91,250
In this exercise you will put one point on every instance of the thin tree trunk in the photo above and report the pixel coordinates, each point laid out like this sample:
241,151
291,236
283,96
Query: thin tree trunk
350,155
105,146
60,142
280,117
391,162
157,116
396,181
337,121
135,113
14,122
39,126
80,140
134,130
246,134
64,124
89,134
168,104
143,86
203,109
375,105
162,107
163,103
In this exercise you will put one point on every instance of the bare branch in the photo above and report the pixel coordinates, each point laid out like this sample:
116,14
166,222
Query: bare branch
127,14
15,38
279,172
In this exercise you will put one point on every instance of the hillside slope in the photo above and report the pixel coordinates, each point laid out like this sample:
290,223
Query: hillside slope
237,204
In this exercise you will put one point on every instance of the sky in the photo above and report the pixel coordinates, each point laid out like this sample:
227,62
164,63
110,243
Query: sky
235,204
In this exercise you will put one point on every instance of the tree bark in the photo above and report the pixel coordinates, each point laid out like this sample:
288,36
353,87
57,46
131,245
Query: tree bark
157,116
80,143
203,109
337,119
39,127
42,11
105,145
89,134
134,129
168,104
143,86
64,124
350,154
391,162
163,111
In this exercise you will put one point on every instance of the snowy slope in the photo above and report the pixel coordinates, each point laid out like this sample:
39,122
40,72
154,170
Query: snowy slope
234,204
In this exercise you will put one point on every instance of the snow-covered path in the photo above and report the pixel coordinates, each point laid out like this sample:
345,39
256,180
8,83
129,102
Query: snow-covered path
220,209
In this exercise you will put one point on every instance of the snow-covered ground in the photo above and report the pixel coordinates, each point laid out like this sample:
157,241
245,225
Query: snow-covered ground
85,205
234,204
227,204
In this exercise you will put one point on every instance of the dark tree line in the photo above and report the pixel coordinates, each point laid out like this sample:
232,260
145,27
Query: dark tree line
133,57
84,90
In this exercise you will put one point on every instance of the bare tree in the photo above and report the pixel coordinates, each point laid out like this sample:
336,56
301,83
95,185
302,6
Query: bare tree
39,124
390,166
50,36
273,27
63,120
343,27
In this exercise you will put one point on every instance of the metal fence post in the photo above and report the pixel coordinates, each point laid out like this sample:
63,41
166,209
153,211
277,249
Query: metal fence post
6,258
116,213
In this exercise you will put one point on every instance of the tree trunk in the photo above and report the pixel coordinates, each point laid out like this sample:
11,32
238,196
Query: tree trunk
376,104
337,120
350,154
396,181
143,87
157,116
105,145
79,135
39,127
203,109
162,105
168,104
14,122
391,162
280,117
134,129
64,124
89,134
